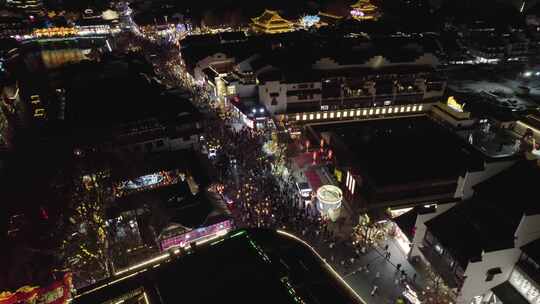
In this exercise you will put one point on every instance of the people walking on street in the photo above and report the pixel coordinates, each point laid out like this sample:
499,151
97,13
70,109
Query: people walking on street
374,290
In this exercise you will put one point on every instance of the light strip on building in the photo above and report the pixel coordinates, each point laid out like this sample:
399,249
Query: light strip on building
348,176
325,263
353,184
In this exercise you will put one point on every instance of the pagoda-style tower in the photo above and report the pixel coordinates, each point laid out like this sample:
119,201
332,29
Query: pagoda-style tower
365,10
270,22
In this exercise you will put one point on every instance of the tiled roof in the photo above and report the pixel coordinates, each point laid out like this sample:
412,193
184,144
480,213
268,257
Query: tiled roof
489,220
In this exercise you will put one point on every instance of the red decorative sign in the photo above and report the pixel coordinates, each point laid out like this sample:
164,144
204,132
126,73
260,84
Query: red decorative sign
57,293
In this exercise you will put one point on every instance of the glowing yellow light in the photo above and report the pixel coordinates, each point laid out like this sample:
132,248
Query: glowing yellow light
364,112
420,107
310,116
414,108
338,114
297,116
358,112
325,115
318,115
408,109
304,117
377,112
344,113
384,111
370,111
331,114
402,109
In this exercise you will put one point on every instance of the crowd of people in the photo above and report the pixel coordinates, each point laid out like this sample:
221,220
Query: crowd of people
261,197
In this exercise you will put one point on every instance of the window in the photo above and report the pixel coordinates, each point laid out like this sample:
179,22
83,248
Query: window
325,115
491,273
318,116
310,116
274,102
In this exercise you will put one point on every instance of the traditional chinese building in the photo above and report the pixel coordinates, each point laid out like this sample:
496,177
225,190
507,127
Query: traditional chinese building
270,22
365,10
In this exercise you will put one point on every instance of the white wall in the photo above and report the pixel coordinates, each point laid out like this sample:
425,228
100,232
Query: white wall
528,230
466,183
270,87
475,283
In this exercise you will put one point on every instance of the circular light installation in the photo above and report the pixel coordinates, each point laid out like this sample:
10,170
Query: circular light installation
329,197
329,201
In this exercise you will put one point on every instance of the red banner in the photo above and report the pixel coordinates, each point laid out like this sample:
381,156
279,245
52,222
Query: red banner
56,293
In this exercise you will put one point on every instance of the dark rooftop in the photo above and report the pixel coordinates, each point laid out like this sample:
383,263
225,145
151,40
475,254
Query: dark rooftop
404,150
244,267
489,220
532,250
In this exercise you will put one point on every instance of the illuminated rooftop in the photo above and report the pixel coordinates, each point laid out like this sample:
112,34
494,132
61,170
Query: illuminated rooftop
271,22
